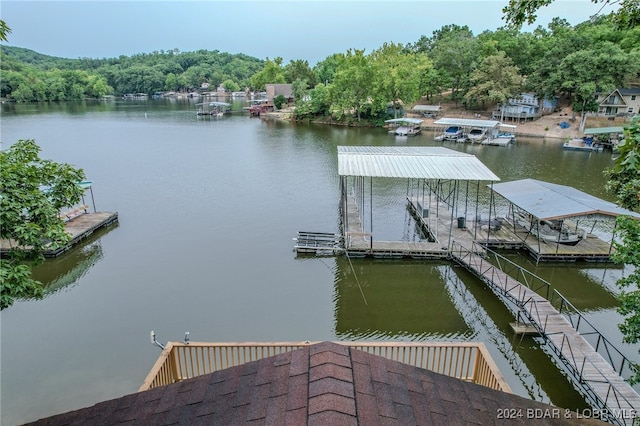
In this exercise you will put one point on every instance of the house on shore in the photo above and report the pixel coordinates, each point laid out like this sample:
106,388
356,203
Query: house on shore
619,102
525,107
274,90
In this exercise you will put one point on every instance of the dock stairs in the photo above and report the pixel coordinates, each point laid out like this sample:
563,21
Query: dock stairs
318,243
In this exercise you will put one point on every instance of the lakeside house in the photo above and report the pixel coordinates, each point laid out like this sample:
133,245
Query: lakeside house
527,106
274,90
619,102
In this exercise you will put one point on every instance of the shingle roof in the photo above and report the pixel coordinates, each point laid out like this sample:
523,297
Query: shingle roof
324,384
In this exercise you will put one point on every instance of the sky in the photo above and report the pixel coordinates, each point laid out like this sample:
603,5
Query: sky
292,30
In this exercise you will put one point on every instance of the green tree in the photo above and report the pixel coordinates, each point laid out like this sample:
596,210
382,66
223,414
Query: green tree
353,83
272,73
300,70
496,80
397,75
455,51
326,69
4,30
624,182
230,85
518,12
32,192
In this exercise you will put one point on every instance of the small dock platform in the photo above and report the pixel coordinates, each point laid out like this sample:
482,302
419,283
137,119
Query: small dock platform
358,243
318,243
80,227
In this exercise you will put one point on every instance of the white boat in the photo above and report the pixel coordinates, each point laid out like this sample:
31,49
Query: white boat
552,231
476,134
453,133
405,126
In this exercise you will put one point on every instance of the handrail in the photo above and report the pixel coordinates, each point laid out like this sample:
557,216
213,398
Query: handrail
583,321
468,361
568,356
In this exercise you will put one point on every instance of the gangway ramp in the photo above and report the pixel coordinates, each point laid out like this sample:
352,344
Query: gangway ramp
598,379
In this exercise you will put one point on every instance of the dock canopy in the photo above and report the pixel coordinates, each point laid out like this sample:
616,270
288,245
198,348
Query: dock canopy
405,120
411,163
549,201
426,108
467,122
603,130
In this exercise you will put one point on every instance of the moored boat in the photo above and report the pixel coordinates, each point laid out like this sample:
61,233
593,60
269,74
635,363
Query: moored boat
405,126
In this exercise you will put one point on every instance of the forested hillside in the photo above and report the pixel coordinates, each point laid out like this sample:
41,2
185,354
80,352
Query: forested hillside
479,71
30,76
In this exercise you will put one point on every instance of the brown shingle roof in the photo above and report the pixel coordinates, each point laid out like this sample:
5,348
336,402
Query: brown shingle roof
324,384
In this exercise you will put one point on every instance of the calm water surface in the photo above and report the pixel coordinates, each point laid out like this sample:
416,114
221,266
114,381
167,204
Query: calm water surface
208,209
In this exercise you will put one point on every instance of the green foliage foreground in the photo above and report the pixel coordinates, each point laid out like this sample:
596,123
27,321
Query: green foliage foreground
624,182
32,192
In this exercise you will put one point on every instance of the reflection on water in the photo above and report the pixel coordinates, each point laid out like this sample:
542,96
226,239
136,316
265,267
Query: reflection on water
383,300
527,368
587,286
65,271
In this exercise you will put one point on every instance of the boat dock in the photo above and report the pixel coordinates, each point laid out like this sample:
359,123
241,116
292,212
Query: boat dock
80,227
439,184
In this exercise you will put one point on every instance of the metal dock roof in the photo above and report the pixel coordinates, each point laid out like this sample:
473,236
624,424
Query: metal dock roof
603,130
405,120
411,163
549,201
467,122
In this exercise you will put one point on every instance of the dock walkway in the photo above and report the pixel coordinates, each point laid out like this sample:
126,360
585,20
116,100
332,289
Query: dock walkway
615,399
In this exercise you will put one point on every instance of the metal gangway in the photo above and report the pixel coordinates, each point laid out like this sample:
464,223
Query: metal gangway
596,370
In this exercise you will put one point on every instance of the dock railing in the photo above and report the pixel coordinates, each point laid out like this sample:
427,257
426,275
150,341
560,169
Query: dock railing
618,361
501,271
469,361
617,401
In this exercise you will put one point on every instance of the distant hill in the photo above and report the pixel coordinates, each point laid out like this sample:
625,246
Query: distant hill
35,59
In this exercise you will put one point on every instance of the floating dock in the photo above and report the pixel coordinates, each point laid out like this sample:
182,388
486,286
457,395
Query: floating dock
80,227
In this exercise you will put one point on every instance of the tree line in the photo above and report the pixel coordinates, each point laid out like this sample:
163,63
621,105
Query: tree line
479,71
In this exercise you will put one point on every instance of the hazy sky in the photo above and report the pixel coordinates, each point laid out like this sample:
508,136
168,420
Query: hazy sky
295,29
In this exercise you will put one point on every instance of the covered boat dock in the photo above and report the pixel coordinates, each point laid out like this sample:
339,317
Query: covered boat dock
553,222
473,130
404,126
608,137
438,181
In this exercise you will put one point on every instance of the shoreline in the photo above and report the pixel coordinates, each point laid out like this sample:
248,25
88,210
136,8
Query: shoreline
545,127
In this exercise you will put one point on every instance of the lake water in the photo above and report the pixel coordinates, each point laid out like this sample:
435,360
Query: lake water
207,212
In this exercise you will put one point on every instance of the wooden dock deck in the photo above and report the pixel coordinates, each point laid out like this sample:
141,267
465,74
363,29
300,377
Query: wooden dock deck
80,227
359,243
596,377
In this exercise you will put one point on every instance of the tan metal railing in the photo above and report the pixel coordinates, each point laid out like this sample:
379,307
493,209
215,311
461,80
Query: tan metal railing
467,361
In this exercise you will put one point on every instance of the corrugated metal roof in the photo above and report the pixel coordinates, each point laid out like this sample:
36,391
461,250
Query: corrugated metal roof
548,201
411,163
433,108
603,130
405,120
466,122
